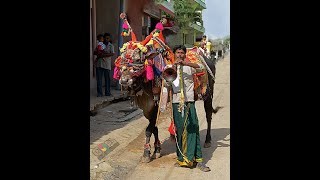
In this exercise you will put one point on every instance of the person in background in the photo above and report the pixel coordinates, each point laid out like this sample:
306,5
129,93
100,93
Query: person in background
103,65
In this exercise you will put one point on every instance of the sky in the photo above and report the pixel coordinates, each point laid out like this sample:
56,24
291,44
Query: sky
216,18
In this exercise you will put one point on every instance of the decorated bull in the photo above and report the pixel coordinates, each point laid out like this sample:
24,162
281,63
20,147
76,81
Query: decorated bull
145,68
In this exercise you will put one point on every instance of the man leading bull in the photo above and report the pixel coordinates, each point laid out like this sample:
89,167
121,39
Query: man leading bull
188,147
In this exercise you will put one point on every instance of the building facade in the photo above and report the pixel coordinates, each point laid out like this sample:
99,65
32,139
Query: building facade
104,18
142,15
195,29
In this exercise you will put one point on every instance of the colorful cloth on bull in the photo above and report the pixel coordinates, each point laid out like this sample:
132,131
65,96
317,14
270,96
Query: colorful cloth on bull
200,79
159,64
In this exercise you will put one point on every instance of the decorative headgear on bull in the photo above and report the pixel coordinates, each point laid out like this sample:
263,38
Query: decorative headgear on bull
132,52
147,58
126,28
155,43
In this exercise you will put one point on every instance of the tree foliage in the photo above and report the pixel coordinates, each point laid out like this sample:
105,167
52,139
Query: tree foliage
226,41
185,13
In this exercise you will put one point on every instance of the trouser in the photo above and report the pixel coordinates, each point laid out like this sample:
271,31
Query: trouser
106,73
189,143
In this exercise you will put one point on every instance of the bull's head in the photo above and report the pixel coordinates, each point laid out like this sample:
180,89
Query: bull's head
135,64
131,63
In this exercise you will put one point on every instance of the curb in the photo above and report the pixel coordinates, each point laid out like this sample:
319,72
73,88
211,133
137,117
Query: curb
107,101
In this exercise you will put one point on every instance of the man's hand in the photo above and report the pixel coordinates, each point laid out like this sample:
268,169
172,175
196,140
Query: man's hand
108,54
184,63
180,61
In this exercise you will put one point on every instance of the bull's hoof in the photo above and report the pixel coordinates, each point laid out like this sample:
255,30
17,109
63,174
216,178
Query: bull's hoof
156,155
157,150
207,145
145,159
146,154
215,111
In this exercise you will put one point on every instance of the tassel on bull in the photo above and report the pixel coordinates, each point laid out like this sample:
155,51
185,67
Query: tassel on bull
149,70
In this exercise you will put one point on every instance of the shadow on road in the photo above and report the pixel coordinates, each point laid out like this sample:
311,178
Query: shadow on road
217,135
110,118
215,110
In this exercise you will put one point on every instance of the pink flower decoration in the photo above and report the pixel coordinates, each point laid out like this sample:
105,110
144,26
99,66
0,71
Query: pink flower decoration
149,73
159,26
125,25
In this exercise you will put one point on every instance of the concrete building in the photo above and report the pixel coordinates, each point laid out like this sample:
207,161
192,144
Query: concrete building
195,29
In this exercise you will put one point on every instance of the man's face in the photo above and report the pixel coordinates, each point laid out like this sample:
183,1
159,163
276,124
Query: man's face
101,39
179,54
107,38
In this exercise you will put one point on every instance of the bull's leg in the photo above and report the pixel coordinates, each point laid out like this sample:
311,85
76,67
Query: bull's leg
157,144
147,146
214,110
209,110
150,129
154,130
207,143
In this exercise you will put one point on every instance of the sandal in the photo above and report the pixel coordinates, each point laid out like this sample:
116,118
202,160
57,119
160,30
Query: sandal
178,165
203,167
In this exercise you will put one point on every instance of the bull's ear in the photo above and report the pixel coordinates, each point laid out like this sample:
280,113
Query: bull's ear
152,55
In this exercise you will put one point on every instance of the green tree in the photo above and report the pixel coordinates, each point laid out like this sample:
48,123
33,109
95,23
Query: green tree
185,13
226,41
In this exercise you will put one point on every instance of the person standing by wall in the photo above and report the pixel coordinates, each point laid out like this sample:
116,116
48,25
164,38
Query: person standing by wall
103,66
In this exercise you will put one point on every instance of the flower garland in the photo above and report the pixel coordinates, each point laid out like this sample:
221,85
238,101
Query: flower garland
134,45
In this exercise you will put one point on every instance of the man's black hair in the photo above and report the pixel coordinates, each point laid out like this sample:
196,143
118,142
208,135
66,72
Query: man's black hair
177,47
106,34
99,36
